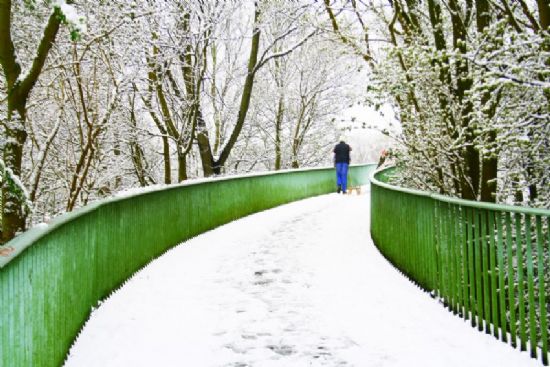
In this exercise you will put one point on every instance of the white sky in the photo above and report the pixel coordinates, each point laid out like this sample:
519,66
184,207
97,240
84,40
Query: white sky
298,285
367,143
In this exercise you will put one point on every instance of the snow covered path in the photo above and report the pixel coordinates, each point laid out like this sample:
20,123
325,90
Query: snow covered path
298,285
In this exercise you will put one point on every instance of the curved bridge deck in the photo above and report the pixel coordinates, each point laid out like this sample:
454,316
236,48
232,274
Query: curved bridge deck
298,285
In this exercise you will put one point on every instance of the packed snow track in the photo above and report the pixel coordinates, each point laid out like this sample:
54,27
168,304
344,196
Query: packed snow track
298,285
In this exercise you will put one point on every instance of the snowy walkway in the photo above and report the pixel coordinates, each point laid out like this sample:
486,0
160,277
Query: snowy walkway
299,285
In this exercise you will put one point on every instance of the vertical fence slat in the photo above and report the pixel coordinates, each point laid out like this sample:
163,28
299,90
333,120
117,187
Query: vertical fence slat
452,258
521,288
501,279
485,271
542,288
530,288
465,278
448,268
478,270
493,274
511,281
445,270
457,258
439,253
471,263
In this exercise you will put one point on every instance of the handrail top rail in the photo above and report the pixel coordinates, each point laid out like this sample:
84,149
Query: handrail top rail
27,238
457,201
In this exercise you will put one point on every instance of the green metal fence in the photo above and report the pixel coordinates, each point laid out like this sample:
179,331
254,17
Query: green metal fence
58,273
488,263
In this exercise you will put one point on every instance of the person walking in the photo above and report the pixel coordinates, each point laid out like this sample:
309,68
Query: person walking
341,162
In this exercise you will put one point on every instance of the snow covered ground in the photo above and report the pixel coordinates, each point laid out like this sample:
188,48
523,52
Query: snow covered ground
298,285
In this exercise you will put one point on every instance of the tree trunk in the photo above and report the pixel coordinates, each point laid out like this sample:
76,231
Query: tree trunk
489,173
279,114
213,92
446,80
489,169
544,14
137,160
167,164
136,151
278,128
544,18
165,144
182,164
247,93
38,169
13,215
470,183
117,153
205,150
211,166
192,88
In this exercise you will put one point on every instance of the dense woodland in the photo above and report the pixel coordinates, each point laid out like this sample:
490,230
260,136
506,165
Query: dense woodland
100,96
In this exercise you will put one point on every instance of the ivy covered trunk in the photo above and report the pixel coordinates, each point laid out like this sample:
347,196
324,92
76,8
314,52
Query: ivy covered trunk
19,86
13,194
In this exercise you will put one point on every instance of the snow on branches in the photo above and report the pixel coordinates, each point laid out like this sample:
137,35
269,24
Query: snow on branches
473,100
70,16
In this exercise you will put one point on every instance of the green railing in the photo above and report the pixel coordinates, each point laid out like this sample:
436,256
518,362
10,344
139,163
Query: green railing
488,263
56,274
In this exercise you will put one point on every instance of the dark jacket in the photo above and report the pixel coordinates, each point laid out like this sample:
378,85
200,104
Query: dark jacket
341,153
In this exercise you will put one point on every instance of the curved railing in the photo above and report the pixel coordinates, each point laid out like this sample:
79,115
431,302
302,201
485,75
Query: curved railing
57,273
488,263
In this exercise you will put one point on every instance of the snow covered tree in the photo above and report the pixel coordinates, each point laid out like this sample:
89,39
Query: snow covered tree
308,88
176,64
456,72
22,61
289,16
